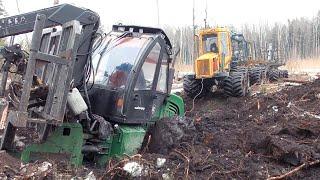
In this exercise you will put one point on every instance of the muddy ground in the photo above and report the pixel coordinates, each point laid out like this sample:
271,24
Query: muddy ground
256,137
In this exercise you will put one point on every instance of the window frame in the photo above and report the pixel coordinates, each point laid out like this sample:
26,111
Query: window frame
155,70
129,90
167,68
205,41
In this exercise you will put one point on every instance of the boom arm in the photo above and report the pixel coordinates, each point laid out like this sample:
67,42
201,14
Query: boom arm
65,65
56,15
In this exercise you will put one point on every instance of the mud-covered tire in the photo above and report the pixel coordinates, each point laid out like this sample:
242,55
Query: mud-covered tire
236,84
192,87
273,75
168,132
255,76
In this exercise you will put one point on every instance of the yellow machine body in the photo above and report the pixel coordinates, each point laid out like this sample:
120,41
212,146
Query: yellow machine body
210,62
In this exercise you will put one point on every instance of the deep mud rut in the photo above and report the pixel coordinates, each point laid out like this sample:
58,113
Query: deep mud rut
228,138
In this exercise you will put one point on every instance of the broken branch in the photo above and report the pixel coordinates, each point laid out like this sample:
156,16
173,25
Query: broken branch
294,170
188,162
146,146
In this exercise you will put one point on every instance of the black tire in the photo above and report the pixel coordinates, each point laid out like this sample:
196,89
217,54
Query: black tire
285,74
238,69
273,75
165,133
255,76
192,87
263,74
280,74
236,84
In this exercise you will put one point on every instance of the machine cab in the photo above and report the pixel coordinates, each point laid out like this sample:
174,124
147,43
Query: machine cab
214,52
241,49
130,76
209,43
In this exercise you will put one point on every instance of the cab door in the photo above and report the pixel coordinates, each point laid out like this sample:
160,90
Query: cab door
161,91
143,94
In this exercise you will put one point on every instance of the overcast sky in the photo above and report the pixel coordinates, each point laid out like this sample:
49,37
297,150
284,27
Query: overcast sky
179,12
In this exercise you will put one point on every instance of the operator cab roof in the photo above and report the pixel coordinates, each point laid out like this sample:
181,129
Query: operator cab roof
143,30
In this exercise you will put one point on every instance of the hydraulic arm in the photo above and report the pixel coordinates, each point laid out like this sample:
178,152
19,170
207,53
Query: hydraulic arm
56,57
56,16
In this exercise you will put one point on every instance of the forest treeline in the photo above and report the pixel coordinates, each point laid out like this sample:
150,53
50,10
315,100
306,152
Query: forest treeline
298,38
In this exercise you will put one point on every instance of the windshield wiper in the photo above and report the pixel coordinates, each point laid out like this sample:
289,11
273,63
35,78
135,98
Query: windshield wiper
106,49
101,53
125,34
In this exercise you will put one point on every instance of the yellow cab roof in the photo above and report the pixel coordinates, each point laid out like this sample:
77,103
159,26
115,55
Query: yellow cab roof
213,30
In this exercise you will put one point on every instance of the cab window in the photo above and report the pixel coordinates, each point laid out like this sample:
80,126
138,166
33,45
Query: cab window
162,80
114,59
210,43
147,72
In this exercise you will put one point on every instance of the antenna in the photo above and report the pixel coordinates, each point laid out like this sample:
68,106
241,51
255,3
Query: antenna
194,30
157,1
206,14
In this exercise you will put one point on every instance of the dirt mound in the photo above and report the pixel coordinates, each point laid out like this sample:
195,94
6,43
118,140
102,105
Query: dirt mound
8,164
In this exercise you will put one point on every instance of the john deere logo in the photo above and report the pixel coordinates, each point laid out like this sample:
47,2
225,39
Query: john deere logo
139,108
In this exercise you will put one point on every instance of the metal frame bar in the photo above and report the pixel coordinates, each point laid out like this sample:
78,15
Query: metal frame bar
62,75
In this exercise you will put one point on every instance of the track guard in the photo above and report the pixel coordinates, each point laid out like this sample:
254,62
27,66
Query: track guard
127,140
173,105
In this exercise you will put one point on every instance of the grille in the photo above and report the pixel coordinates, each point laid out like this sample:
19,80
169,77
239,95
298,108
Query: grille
203,67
